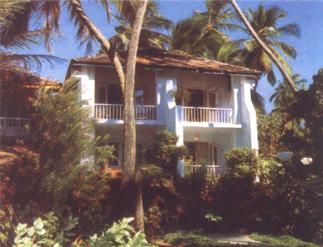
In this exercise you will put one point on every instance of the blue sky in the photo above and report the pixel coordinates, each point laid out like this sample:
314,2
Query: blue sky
307,14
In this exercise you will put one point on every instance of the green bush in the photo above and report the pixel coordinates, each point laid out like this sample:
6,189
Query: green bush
119,234
241,162
165,153
47,232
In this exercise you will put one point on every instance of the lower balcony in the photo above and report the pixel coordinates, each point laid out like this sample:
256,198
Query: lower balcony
13,127
210,170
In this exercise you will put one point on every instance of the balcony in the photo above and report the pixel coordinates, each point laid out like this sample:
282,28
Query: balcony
116,111
207,114
13,127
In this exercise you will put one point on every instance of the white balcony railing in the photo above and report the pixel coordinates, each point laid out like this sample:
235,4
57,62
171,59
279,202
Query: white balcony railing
206,114
212,170
115,111
13,126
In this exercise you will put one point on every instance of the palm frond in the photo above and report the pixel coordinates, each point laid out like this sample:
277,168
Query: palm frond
24,40
83,34
290,30
28,61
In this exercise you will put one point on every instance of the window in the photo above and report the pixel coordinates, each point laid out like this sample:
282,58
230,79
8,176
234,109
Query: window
101,95
114,94
196,98
212,99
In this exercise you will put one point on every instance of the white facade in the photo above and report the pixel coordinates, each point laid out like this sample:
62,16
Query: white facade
218,116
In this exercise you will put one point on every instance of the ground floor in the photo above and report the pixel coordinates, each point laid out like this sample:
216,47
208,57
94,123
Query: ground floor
205,146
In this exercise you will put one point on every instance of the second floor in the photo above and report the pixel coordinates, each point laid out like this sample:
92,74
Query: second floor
196,93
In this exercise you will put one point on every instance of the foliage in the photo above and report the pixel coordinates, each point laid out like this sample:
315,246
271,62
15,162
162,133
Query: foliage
241,162
270,131
165,153
6,225
283,241
16,31
151,36
44,232
203,34
192,239
119,234
49,176
265,22
47,232
308,110
35,235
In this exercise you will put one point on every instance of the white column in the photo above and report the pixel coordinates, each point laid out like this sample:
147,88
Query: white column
87,97
169,113
87,87
245,112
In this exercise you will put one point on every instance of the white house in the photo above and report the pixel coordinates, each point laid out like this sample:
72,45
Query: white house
206,103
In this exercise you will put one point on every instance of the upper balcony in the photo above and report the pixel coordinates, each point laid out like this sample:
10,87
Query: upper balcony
114,113
147,114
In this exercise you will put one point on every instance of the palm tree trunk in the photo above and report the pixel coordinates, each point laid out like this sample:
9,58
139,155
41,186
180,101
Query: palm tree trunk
104,42
271,55
131,172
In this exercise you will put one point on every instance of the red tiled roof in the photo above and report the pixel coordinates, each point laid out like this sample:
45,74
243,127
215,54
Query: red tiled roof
171,60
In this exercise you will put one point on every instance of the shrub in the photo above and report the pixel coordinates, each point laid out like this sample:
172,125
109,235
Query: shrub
241,162
165,153
119,234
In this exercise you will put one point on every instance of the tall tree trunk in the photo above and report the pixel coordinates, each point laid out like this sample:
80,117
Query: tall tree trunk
131,173
104,42
271,55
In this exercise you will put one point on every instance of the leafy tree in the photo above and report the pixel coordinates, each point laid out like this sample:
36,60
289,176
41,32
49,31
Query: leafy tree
308,110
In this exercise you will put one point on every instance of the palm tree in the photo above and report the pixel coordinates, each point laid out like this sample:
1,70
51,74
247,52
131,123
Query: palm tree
87,32
203,33
283,96
15,34
151,36
264,45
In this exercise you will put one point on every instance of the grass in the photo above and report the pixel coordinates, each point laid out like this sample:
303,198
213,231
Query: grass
194,239
282,241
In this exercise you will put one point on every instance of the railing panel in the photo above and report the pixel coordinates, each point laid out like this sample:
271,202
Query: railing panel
13,126
212,170
116,111
205,114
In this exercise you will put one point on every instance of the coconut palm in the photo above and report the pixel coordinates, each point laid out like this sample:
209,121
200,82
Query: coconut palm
151,36
283,96
265,23
203,33
15,34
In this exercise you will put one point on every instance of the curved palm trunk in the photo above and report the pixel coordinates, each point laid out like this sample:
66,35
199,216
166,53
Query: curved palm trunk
264,46
131,172
104,42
